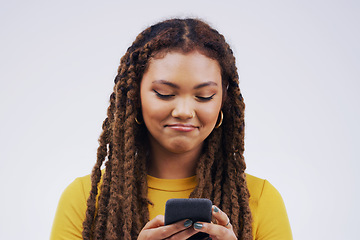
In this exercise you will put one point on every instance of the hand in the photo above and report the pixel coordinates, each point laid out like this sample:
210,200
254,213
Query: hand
221,227
155,229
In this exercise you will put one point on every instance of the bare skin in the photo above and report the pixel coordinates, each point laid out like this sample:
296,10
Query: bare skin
155,229
181,98
170,165
221,230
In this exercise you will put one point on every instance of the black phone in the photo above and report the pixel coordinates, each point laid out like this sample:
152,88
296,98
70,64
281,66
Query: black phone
195,209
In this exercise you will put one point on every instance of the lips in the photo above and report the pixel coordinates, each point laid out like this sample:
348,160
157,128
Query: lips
181,127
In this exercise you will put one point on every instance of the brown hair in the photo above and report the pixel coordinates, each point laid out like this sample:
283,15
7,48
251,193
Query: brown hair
122,208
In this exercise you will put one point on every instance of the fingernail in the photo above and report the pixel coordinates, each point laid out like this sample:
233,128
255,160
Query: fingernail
187,223
198,225
216,209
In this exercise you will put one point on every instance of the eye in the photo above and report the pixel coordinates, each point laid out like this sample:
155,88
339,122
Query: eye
205,99
162,96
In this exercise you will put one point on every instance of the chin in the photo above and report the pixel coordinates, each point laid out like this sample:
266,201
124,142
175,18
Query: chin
180,147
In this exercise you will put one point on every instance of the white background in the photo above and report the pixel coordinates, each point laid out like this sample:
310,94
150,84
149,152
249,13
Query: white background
299,68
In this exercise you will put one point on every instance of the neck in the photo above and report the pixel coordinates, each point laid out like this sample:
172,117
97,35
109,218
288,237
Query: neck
169,165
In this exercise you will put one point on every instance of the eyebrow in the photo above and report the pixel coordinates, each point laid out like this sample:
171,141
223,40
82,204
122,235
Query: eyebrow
173,85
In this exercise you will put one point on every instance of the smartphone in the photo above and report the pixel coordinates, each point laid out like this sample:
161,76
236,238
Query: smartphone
195,209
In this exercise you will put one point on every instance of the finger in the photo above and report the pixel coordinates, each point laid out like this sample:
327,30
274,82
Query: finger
221,217
185,234
215,231
156,222
170,230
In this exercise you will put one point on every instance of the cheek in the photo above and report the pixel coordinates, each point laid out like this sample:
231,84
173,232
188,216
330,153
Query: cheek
209,115
152,109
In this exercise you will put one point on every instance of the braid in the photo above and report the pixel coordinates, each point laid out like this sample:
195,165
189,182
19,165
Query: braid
218,172
95,178
128,166
120,210
105,189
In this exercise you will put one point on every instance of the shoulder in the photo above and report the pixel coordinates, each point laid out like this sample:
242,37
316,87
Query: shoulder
255,186
260,188
71,210
79,189
270,220
83,183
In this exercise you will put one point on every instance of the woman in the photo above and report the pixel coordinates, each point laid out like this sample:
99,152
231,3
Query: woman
174,129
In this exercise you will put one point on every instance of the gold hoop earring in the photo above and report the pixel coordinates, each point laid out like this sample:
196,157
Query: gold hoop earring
137,121
221,120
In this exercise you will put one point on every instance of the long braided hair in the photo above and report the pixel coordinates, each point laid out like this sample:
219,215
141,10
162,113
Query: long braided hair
117,208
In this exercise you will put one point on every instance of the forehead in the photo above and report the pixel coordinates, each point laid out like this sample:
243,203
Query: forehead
178,67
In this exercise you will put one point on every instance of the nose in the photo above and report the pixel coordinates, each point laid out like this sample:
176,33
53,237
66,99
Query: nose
183,109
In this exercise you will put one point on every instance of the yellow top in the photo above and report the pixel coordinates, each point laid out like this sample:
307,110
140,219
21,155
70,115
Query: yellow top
270,221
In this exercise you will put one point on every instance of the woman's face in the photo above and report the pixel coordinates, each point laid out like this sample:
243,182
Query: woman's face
181,96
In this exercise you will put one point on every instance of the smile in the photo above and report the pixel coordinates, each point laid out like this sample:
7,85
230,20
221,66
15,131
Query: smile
181,127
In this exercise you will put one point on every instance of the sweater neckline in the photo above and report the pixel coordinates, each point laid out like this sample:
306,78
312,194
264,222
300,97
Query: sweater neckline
172,185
